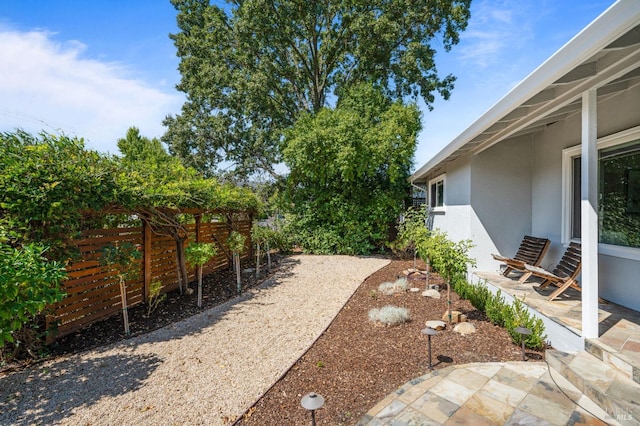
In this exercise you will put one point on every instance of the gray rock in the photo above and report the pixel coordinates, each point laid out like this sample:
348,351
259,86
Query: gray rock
434,294
464,328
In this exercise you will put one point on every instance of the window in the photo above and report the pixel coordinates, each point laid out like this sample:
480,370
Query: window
436,193
618,193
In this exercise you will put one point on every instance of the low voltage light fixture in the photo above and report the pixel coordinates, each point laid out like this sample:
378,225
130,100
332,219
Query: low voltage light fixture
312,402
429,332
523,331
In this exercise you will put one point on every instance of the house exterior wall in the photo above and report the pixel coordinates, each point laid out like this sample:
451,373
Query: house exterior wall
614,115
501,200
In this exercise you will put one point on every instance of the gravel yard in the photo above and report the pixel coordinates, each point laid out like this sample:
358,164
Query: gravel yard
207,369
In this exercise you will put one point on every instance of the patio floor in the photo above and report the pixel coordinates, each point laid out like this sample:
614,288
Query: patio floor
619,326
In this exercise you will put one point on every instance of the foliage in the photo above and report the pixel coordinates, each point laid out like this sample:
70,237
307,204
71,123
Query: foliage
28,284
448,258
411,230
398,286
123,258
390,315
251,68
236,242
348,171
155,298
46,183
499,312
521,317
200,253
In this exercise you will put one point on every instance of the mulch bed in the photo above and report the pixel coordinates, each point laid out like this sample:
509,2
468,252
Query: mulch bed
356,363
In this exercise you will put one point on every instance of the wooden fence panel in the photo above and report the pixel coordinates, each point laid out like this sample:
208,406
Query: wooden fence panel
93,293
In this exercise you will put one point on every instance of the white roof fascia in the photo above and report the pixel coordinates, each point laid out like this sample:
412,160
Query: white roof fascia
606,28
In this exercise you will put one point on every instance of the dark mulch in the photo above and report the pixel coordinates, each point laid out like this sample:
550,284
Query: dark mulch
356,363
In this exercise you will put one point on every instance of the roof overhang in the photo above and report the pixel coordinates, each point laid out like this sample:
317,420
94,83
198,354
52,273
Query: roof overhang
605,56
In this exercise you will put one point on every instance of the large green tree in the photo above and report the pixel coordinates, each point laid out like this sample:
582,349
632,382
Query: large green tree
349,169
250,68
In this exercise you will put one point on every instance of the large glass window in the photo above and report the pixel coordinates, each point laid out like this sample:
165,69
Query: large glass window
618,193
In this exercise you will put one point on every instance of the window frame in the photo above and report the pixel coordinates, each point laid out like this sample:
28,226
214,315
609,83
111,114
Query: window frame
441,178
568,154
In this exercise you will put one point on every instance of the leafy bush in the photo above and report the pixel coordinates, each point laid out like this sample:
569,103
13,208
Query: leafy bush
198,254
499,312
28,284
495,308
390,315
411,230
155,298
398,286
518,316
236,242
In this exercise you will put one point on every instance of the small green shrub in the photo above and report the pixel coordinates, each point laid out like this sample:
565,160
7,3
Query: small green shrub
28,284
519,316
390,315
398,286
495,308
155,298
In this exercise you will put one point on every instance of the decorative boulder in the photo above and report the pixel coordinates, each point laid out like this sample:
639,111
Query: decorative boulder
434,294
464,328
436,324
414,289
455,316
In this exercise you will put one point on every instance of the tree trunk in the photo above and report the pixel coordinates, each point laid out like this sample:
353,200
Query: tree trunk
125,314
200,286
180,259
236,262
258,261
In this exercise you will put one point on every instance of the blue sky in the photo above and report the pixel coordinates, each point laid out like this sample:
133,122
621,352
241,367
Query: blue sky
95,68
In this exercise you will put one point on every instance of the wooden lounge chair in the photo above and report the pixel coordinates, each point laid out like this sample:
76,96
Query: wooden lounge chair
531,251
564,275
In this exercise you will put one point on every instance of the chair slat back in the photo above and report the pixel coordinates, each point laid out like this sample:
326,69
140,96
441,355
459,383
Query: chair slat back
571,262
532,250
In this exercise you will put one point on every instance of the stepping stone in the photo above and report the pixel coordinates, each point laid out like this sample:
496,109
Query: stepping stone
436,324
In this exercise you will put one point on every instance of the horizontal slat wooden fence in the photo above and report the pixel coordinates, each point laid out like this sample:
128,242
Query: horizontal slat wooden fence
93,293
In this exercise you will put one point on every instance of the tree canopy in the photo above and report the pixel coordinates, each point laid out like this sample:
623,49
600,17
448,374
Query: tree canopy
250,68
349,169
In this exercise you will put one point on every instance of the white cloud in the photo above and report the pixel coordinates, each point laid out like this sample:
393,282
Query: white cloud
496,28
48,85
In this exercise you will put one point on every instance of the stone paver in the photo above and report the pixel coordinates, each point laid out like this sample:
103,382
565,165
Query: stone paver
501,393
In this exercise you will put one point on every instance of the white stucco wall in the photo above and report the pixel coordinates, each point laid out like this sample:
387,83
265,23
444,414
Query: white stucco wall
515,188
617,277
500,199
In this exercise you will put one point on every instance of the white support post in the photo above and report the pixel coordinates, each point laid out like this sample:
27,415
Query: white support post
589,215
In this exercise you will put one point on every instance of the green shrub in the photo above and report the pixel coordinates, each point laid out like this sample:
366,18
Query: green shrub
390,315
505,315
518,316
411,231
495,308
28,284
155,298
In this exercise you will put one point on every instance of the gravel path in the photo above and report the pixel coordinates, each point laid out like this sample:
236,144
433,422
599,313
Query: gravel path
207,369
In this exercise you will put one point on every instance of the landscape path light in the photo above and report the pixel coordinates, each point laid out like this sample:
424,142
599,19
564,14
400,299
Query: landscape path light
312,402
523,332
429,332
